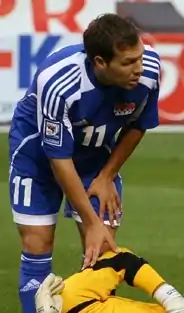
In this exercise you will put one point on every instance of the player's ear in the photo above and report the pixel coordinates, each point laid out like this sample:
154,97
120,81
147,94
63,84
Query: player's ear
99,62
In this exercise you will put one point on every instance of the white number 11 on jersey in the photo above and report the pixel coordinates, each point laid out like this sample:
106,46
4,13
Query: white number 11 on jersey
90,131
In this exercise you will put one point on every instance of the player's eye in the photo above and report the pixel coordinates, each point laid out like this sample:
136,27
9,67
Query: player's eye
129,62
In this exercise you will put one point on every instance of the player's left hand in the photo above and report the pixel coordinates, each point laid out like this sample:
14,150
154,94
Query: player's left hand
108,196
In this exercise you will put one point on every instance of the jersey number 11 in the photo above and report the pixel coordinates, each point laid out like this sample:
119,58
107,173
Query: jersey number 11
89,133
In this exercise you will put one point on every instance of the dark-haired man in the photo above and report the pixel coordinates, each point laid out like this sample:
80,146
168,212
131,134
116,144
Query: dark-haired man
62,140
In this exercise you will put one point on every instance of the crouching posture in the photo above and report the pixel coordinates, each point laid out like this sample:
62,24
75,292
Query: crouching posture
92,290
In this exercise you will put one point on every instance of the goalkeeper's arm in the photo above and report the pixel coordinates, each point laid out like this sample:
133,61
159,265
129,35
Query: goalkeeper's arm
138,273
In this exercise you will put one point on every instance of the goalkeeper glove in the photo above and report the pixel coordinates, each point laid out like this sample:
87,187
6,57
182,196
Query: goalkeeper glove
46,299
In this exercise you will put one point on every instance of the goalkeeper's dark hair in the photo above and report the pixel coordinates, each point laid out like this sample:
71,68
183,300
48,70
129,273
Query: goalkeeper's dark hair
108,33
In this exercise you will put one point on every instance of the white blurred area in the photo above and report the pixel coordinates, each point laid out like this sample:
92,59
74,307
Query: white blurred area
13,24
42,20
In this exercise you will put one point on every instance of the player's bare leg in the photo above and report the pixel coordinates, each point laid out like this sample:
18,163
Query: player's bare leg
37,239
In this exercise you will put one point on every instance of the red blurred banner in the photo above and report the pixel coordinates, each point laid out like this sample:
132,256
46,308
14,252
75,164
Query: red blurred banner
47,27
171,50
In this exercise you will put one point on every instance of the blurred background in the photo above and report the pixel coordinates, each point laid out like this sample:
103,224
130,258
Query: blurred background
153,177
31,29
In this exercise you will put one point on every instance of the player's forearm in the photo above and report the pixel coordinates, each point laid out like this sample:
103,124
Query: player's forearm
71,185
122,151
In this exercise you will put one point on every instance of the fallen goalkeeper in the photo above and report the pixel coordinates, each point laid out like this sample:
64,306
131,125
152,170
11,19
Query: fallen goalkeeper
92,290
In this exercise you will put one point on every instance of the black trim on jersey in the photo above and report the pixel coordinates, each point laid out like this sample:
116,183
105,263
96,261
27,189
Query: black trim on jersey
113,292
127,261
81,306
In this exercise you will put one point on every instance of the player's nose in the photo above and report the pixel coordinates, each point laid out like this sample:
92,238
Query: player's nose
138,70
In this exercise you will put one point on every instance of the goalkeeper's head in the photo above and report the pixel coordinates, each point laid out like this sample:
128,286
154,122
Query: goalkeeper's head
47,298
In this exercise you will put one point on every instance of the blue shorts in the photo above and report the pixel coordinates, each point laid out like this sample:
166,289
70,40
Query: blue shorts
34,200
71,212
37,200
34,194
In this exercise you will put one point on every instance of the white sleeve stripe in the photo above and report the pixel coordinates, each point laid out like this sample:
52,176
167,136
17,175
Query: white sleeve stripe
149,82
62,78
45,76
50,71
56,107
151,58
69,86
147,68
151,63
66,120
50,105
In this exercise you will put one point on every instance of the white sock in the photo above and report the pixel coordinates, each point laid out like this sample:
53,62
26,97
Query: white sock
169,298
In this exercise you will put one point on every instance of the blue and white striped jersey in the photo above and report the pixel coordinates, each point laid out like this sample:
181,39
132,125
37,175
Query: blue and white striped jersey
66,113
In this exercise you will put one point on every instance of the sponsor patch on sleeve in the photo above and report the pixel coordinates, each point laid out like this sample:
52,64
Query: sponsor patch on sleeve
52,133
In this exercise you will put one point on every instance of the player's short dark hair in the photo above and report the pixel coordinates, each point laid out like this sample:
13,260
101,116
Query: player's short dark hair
107,33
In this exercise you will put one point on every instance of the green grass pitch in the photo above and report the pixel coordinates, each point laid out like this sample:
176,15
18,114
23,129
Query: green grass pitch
153,225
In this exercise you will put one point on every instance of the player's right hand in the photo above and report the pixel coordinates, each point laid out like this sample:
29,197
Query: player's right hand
95,236
105,190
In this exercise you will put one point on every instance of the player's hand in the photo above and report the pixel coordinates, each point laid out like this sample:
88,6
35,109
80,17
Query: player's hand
108,196
95,236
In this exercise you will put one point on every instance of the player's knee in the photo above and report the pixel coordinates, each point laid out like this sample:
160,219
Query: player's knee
37,239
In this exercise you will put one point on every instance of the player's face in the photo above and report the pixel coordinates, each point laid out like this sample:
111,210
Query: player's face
125,68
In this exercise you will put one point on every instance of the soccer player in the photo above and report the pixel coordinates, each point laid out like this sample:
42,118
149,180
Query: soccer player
62,140
92,289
